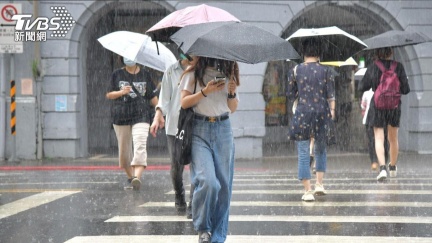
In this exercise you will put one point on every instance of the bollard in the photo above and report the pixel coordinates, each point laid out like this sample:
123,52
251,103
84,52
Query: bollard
13,157
12,108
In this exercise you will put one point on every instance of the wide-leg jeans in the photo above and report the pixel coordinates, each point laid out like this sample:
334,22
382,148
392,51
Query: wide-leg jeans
212,171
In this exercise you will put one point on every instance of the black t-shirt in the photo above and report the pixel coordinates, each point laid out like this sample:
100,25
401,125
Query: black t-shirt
134,107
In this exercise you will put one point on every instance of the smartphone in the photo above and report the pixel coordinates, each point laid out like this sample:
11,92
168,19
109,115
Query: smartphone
219,80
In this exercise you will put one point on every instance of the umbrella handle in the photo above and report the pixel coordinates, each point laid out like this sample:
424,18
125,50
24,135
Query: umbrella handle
157,47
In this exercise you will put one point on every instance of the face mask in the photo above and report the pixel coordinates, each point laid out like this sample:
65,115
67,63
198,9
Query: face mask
128,62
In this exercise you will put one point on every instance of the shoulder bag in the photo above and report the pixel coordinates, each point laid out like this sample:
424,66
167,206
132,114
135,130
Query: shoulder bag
183,137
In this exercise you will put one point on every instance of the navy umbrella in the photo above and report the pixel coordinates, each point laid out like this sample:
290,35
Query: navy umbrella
234,41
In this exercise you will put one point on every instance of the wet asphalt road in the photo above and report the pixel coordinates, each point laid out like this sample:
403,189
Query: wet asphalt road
84,201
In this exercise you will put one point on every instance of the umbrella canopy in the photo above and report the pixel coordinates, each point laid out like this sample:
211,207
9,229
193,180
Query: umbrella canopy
349,62
360,73
140,48
395,38
337,45
234,41
203,13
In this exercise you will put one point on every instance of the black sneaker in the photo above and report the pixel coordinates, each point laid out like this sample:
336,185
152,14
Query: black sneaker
129,184
392,170
189,211
180,202
204,237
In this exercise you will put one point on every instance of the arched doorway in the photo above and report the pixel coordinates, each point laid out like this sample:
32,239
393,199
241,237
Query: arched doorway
351,17
100,63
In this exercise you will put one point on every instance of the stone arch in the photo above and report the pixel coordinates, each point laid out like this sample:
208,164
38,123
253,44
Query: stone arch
360,18
79,42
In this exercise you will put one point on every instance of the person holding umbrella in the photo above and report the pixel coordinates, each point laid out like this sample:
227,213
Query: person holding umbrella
313,85
169,105
212,165
131,90
381,118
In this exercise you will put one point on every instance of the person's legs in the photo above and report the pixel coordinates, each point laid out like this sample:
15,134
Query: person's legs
124,141
140,133
212,174
311,152
394,149
304,174
224,168
394,144
386,145
379,144
379,148
321,165
203,176
176,173
371,147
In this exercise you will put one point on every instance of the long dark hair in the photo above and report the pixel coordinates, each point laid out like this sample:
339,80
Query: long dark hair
224,66
384,53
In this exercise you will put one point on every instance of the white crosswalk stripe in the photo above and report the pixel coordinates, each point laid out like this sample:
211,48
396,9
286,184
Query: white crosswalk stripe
282,218
32,202
245,239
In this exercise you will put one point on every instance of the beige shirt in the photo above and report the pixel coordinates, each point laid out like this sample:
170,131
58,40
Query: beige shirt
215,104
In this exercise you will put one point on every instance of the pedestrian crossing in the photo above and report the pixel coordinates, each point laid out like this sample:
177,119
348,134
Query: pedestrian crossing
266,207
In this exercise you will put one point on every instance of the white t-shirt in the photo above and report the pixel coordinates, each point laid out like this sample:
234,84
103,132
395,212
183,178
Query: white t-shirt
215,104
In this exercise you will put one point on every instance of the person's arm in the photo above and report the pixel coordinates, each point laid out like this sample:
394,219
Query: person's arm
232,101
189,100
366,83
404,87
115,94
292,90
158,122
331,94
164,101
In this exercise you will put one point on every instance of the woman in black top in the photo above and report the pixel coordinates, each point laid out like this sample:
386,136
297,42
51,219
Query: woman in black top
389,118
132,92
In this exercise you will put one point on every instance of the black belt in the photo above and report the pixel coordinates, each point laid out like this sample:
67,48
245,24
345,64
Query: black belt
211,118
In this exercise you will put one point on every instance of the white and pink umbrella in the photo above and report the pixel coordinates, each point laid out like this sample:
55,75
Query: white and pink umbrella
203,13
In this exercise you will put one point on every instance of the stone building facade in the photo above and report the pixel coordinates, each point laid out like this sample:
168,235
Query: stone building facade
75,70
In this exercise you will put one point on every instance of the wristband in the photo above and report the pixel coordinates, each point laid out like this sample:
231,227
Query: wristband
202,92
232,96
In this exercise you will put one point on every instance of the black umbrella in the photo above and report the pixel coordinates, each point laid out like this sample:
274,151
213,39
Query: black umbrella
234,41
395,38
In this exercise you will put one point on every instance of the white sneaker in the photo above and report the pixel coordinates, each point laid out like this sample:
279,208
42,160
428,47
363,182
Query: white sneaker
382,175
308,196
319,190
392,170
136,184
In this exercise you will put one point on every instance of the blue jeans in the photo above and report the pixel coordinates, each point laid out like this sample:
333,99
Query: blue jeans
212,171
320,152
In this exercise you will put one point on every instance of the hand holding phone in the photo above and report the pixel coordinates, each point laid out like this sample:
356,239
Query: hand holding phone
219,81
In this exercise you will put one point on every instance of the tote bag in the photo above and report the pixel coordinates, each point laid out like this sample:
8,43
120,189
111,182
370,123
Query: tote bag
183,137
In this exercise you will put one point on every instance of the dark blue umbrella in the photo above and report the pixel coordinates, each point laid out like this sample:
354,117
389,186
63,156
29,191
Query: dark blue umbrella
234,41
